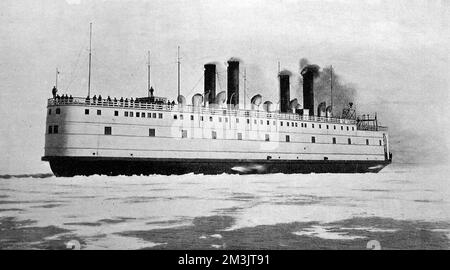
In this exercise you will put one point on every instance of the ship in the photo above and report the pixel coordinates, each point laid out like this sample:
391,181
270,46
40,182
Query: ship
212,134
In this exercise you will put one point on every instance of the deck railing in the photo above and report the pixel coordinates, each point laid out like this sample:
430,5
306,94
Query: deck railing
194,109
372,128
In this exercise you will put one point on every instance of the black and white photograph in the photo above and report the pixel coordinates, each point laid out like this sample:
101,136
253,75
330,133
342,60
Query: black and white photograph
211,125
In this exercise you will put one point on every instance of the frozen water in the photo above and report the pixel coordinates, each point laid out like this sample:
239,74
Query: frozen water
98,208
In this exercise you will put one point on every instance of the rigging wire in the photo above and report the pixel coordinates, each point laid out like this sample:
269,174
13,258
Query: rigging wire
71,76
195,85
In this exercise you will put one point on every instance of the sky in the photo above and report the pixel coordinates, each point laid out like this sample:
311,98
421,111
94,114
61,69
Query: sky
394,53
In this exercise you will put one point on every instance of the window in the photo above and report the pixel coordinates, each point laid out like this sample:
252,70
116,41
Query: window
151,132
301,124
254,121
306,125
268,122
107,130
281,123
86,111
288,139
125,114
334,140
334,127
342,128
287,123
175,117
261,122
55,129
313,139
99,112
143,114
353,128
237,120
183,133
160,116
181,117
320,126
220,119
296,124
192,118
210,119
49,111
50,129
347,128
116,113
248,121
154,115
349,141
312,125
267,138
226,119
58,110
292,124
367,141
239,135
328,126
201,118
149,115
380,142
131,114
214,135
138,114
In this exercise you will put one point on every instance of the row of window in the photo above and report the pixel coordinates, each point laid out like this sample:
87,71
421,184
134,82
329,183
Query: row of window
151,131
130,114
140,114
292,124
184,134
160,116
53,129
267,137
86,111
57,111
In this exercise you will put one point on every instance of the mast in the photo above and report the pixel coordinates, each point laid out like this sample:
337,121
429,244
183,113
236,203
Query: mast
178,63
56,83
90,56
245,86
279,89
148,77
331,88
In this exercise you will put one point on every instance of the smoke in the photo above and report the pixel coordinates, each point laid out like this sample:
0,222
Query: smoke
235,59
285,72
303,63
343,93
314,69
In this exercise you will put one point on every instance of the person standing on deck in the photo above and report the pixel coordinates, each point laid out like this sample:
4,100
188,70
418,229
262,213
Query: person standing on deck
54,91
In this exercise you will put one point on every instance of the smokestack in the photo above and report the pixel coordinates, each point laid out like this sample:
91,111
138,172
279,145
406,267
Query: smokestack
285,97
210,83
233,82
309,73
